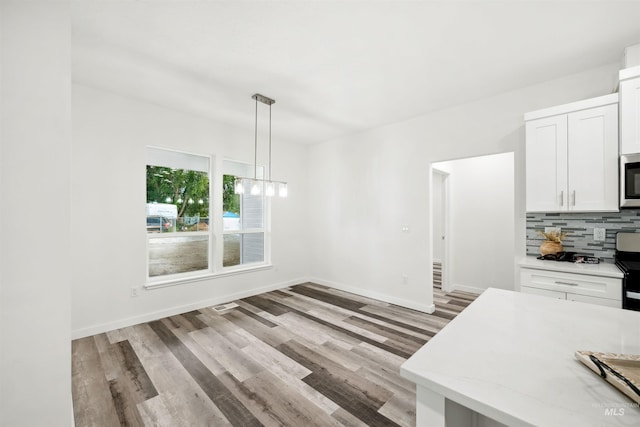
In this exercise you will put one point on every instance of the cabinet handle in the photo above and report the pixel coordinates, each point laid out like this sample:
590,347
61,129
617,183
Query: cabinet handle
633,295
573,198
557,282
562,198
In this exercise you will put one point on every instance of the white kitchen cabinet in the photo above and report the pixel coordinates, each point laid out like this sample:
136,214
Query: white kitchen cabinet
599,284
572,157
630,110
546,144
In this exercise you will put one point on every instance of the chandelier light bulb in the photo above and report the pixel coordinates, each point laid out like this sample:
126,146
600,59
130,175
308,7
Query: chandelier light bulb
255,189
239,187
282,190
270,190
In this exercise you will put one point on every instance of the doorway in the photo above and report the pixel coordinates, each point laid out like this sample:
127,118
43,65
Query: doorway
439,215
473,202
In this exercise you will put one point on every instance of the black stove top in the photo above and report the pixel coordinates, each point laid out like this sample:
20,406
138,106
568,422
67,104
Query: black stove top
628,265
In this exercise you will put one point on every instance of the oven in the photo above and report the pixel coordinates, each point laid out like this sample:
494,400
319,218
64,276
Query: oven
630,180
628,261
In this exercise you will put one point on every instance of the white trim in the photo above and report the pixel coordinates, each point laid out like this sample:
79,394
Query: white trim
429,309
629,73
244,231
172,311
572,107
170,234
445,272
206,276
466,288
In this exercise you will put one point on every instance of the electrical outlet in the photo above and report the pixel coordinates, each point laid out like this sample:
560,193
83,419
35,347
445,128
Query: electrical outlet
134,292
405,279
599,234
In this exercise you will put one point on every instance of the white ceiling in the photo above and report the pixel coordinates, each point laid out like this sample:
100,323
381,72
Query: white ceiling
339,67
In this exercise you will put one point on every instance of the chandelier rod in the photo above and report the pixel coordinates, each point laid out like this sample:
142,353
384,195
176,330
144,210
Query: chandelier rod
270,177
255,148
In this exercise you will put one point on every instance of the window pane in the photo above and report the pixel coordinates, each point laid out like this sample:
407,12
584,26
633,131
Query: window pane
179,254
177,206
231,250
178,195
252,211
230,204
252,247
243,249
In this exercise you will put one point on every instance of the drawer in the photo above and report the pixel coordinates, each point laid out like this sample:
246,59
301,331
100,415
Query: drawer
593,300
582,284
544,292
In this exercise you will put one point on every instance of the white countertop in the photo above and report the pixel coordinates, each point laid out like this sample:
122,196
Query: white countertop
510,356
602,269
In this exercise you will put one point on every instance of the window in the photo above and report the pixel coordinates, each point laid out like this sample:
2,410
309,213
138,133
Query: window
183,239
243,219
177,212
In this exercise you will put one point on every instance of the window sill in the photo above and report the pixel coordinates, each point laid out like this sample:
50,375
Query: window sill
206,276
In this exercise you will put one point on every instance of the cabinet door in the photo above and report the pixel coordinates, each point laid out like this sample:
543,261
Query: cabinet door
593,159
630,116
546,159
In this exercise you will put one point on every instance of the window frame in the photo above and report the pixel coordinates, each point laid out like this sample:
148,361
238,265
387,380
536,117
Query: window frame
215,234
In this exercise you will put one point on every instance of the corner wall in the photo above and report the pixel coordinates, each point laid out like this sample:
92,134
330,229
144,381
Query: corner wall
482,223
35,184
368,187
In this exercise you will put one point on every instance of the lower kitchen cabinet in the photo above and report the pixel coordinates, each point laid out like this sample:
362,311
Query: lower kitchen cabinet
581,286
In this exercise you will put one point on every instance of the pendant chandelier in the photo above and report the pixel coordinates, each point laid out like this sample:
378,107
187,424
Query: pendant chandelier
258,186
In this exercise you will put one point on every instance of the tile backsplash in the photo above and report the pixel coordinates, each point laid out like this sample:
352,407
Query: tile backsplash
579,227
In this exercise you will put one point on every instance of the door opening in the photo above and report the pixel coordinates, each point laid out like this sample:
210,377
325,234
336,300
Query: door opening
440,215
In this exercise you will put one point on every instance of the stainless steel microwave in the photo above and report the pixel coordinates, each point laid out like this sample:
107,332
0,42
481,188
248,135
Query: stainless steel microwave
629,180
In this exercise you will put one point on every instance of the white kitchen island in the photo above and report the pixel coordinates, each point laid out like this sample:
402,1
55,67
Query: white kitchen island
509,358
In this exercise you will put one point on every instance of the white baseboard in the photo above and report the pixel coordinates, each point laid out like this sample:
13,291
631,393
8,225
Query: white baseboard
429,309
467,288
172,311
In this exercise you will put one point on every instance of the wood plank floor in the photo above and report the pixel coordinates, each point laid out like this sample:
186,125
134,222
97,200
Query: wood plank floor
302,356
437,275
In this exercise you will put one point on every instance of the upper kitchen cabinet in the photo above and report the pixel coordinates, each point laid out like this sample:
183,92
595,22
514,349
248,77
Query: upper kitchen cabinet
630,110
572,157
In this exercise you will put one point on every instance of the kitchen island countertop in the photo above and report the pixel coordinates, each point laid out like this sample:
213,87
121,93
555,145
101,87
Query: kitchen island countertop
510,357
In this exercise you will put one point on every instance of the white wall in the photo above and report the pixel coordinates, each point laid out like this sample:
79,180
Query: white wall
110,133
35,161
481,210
368,186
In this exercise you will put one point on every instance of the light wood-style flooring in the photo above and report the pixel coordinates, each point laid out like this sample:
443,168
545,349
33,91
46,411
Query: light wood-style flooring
307,355
437,275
